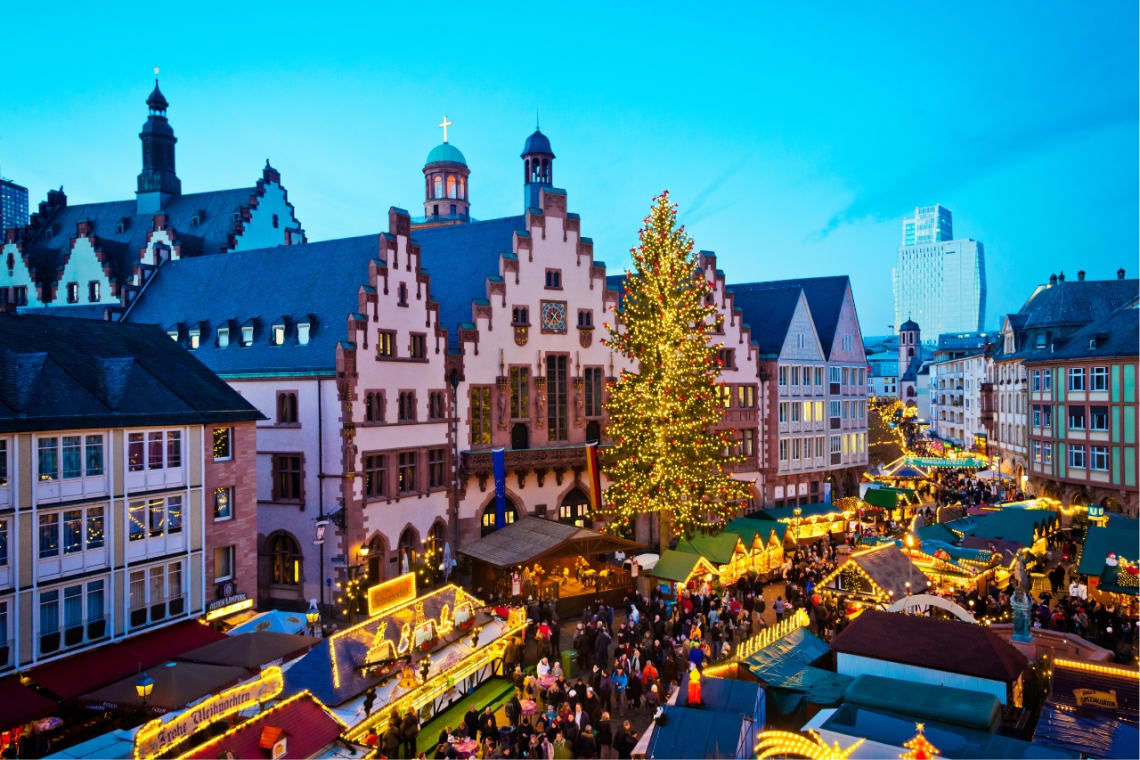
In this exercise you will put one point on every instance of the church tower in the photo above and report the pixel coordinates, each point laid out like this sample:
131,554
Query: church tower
910,359
445,184
538,167
157,183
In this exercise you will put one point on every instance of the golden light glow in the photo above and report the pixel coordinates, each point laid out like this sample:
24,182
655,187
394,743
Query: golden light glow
157,735
1093,667
229,609
813,747
199,750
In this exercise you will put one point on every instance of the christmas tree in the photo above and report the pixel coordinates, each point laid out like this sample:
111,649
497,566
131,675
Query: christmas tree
918,748
667,460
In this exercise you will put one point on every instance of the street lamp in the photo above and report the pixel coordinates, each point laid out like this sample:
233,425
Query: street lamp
312,616
797,512
144,686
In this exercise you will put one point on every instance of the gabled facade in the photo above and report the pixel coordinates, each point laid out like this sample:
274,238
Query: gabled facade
94,255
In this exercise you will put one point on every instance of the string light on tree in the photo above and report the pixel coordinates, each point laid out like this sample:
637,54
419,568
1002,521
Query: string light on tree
667,460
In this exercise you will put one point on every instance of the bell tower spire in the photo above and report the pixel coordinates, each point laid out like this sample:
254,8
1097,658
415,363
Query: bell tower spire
158,182
538,166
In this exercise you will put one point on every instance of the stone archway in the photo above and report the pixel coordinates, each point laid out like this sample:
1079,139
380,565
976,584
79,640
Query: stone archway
919,602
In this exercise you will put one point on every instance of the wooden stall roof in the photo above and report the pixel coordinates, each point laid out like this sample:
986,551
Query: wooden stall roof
532,538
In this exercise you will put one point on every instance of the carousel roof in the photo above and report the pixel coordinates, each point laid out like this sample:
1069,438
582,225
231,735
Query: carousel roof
532,538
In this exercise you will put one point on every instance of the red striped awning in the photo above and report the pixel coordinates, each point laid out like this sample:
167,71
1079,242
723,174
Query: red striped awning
75,675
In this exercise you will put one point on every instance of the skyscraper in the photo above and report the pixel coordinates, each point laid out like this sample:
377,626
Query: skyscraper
13,205
930,224
939,282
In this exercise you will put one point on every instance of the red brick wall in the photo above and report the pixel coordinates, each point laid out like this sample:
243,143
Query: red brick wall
239,474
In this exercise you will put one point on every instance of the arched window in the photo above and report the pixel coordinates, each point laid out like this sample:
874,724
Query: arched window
463,188
435,540
450,185
574,508
487,519
526,170
285,555
375,560
408,547
438,186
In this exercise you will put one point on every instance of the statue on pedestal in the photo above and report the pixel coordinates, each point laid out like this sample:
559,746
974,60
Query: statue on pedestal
1021,602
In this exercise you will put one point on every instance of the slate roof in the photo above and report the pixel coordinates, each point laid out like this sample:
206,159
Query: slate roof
318,281
460,258
825,299
82,373
767,311
954,646
1118,334
1072,303
47,246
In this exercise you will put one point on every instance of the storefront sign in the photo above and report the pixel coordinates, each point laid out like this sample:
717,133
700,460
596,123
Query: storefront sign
226,601
1105,700
399,590
153,738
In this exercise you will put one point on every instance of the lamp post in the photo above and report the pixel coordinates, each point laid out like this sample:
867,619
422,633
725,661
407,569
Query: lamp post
313,617
910,556
144,686
453,501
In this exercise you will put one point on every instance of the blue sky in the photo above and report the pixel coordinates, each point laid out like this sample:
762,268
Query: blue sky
794,137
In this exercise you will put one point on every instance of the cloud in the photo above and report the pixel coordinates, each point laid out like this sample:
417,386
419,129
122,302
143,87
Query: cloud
958,163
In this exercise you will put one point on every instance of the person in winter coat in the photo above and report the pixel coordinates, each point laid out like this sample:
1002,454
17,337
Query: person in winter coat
602,649
605,737
625,741
471,722
392,738
409,730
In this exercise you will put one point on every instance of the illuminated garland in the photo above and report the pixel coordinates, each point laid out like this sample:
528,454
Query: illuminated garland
789,744
200,749
442,682
765,638
667,459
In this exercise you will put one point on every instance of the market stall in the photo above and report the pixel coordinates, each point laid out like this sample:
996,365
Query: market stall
873,578
550,560
1108,558
418,652
810,522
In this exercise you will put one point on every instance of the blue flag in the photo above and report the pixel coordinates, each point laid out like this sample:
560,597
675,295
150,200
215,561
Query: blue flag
499,462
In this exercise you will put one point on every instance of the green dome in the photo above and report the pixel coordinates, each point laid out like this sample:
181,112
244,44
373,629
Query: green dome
446,152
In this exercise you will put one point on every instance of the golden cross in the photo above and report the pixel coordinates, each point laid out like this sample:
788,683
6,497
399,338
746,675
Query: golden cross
445,124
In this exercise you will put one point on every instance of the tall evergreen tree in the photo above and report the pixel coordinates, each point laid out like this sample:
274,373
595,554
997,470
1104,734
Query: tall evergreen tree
667,460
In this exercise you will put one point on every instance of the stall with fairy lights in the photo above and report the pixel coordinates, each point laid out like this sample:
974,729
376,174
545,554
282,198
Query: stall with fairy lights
744,546
873,578
546,559
810,522
418,652
1107,557
678,570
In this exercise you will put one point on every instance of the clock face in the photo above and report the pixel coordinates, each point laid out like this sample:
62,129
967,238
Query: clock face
554,316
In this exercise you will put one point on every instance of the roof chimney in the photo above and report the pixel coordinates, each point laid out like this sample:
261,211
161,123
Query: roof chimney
1120,273
1081,275
1061,277
1052,279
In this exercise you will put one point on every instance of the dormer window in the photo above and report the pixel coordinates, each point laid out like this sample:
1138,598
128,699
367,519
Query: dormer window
123,225
278,337
1040,342
223,337
303,333
247,335
173,333
73,292
195,338
198,218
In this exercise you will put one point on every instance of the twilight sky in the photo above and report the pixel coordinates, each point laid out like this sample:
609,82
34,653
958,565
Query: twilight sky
794,137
